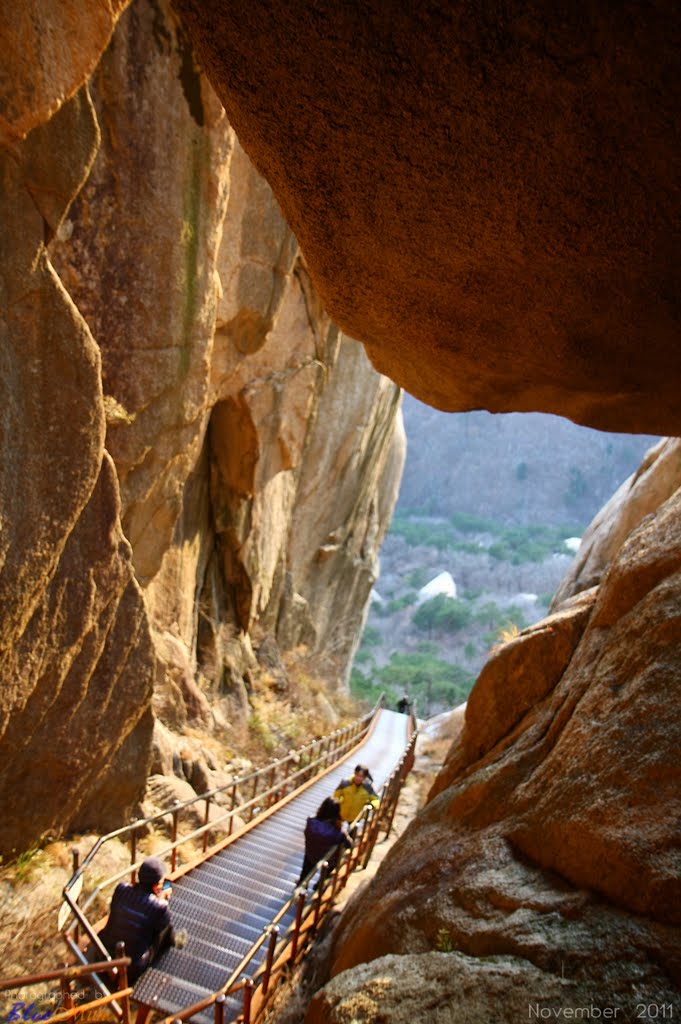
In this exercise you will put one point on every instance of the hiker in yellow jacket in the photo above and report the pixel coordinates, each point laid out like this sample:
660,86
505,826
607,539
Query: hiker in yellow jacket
355,793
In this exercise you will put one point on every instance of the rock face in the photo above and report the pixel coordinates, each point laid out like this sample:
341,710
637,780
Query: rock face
551,833
48,52
473,191
656,479
451,988
75,651
169,373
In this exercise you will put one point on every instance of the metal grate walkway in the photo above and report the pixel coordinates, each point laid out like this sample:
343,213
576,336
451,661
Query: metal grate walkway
226,902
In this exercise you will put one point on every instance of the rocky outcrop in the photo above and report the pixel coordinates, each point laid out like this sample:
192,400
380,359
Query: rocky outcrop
550,834
49,51
169,372
451,988
473,192
656,479
138,255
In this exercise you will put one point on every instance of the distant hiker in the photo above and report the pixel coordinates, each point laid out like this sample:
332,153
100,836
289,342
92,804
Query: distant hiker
404,704
140,917
322,833
355,793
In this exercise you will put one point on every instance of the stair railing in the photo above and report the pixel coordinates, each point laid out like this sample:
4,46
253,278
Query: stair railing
311,907
62,1004
278,780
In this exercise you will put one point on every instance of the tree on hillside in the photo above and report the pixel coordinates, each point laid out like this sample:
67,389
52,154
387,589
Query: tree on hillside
442,613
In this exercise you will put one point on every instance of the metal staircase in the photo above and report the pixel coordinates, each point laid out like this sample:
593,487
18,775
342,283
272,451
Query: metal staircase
228,901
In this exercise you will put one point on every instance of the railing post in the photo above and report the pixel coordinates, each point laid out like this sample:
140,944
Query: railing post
123,983
320,893
395,783
287,772
363,837
220,1009
133,854
274,935
66,994
206,818
335,872
256,779
173,837
75,854
302,895
372,835
348,868
271,799
248,996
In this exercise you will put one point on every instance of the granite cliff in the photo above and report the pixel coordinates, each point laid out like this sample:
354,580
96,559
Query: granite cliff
196,464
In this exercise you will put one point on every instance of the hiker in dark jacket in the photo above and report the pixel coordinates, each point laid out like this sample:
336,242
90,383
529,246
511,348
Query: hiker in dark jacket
322,833
139,916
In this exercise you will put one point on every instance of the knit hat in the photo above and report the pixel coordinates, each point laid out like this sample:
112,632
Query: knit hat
151,872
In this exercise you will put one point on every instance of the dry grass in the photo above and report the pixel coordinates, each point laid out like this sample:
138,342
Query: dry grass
287,714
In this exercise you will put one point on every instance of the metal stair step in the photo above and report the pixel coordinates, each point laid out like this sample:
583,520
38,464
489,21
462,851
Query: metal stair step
157,989
244,924
209,949
202,973
286,829
221,932
278,860
253,842
233,871
241,894
285,870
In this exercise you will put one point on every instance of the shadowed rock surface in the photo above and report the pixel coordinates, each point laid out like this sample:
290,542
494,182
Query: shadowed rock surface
487,198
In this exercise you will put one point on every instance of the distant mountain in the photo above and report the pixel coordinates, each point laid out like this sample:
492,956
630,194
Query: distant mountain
516,468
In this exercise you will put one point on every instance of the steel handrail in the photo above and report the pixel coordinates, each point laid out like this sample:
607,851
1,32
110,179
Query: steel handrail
66,975
349,732
370,820
208,826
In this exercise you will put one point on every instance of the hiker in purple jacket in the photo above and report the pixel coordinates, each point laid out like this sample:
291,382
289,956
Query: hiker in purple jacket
322,833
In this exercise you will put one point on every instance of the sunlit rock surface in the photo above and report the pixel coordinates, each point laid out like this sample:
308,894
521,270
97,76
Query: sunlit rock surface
487,199
451,988
48,51
76,660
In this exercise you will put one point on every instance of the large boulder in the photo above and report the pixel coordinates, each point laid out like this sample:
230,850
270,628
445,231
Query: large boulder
452,988
488,200
48,52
